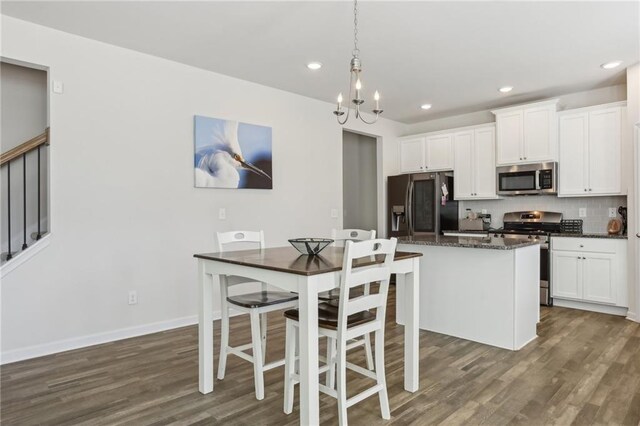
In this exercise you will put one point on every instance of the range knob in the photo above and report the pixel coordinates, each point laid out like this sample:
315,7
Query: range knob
530,236
537,237
495,235
501,235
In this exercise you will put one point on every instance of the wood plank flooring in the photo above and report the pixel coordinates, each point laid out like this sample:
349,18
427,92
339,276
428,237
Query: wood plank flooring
583,369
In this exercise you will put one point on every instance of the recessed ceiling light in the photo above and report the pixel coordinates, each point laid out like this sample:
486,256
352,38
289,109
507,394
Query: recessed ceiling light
505,89
425,106
314,66
610,65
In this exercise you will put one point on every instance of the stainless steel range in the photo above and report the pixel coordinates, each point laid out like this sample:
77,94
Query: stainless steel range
537,225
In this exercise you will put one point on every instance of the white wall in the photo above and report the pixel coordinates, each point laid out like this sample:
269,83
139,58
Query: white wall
124,211
633,159
23,114
24,104
360,192
599,96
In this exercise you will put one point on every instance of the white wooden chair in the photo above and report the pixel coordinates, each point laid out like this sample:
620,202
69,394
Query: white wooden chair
257,305
353,318
340,237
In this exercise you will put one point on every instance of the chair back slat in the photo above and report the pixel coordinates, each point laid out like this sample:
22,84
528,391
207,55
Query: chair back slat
363,303
372,274
340,236
361,276
227,240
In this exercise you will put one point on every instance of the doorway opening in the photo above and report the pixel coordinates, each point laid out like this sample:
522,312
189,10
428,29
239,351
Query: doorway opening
359,181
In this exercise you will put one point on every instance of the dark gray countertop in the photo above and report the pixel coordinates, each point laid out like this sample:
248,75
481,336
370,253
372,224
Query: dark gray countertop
595,235
467,242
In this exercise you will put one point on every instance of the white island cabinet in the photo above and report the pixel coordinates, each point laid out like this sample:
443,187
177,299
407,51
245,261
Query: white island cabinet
481,289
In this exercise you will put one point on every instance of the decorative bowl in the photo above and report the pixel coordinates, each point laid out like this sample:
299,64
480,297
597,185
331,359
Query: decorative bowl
310,246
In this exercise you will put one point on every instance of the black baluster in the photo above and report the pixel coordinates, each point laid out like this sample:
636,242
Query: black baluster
39,233
9,210
24,201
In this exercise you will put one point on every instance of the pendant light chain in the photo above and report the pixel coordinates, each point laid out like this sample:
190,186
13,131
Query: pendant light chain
356,51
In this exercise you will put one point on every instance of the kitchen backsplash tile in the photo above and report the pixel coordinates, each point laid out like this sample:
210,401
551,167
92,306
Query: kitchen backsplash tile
597,208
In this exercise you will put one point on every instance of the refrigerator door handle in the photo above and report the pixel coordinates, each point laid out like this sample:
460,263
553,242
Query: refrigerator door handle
408,208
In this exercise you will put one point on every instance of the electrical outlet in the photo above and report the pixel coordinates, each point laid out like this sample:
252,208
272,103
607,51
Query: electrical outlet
133,297
582,212
484,211
222,213
334,213
613,212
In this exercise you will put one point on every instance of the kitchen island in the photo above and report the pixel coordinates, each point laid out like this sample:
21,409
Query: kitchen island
483,289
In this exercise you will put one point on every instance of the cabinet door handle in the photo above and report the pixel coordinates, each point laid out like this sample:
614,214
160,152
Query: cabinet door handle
585,190
584,258
581,245
638,235
589,189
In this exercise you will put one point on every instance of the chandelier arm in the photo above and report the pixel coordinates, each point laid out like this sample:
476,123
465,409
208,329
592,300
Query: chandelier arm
369,122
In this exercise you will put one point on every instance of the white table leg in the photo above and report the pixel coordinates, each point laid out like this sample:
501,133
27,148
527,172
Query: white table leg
205,329
411,287
309,392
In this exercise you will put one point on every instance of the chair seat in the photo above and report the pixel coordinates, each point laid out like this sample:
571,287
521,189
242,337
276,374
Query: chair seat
262,298
328,316
329,295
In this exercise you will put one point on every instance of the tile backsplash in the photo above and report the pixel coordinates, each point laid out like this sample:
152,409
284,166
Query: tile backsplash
597,208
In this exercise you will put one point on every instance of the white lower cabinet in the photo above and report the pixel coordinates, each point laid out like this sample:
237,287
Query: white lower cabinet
589,270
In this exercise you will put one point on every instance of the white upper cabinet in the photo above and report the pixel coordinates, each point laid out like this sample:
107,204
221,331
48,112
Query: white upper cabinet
526,133
509,127
438,153
485,162
474,165
463,182
590,156
412,155
605,128
426,153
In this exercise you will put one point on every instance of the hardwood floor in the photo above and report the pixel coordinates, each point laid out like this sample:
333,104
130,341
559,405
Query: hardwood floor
583,369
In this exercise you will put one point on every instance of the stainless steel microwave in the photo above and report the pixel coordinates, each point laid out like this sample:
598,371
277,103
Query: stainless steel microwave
528,179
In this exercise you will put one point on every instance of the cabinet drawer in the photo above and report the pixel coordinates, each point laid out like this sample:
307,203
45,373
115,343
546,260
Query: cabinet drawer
584,244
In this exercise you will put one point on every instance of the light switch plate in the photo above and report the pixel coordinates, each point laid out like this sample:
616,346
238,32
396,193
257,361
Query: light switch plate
58,87
582,212
612,212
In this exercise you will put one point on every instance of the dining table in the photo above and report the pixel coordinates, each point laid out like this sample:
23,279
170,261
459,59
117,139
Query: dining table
306,275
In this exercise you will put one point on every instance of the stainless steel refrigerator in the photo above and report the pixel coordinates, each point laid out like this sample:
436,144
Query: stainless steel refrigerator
421,204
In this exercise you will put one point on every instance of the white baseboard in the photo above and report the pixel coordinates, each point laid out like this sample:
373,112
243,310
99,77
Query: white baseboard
98,338
632,316
593,307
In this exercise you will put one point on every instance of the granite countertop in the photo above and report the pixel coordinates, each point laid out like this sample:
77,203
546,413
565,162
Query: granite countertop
593,235
468,242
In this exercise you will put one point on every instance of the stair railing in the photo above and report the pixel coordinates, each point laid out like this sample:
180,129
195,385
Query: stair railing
7,159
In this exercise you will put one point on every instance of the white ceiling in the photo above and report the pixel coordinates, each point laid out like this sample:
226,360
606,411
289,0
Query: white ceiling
454,55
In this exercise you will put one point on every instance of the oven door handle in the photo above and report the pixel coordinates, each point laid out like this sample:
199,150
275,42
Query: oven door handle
538,180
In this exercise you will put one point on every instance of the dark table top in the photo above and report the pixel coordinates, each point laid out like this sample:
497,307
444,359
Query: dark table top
288,259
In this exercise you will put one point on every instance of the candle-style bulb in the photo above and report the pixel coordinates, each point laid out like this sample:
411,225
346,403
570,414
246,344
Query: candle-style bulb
376,96
340,98
358,85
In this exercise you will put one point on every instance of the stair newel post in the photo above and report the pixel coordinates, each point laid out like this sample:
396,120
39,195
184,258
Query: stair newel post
24,201
39,233
9,256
